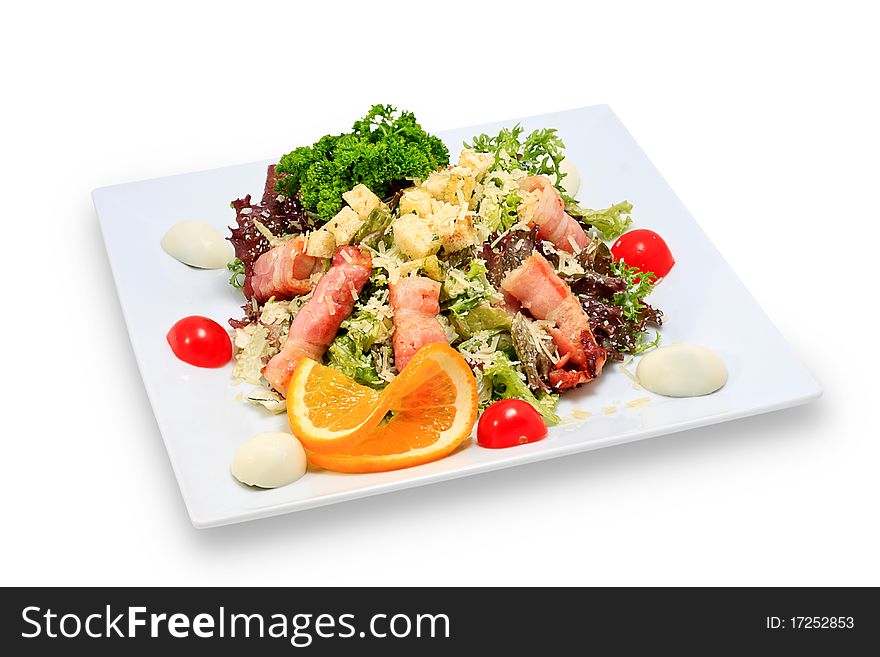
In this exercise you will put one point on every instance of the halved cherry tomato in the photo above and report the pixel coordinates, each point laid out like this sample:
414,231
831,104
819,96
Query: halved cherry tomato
200,341
508,423
645,250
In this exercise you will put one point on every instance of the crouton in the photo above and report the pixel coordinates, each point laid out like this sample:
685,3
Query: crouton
362,200
479,163
445,185
344,225
416,200
455,229
414,237
462,235
321,244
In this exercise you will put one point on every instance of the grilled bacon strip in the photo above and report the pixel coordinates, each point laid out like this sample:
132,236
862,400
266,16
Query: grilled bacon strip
415,301
546,296
316,324
554,225
281,215
284,271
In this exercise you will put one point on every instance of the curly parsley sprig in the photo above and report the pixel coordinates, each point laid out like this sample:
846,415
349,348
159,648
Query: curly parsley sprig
383,149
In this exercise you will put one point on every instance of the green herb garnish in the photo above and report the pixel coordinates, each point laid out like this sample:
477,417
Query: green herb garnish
238,273
539,154
383,148
638,286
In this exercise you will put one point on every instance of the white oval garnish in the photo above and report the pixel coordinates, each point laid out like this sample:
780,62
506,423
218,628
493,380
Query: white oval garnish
197,244
682,370
571,182
270,460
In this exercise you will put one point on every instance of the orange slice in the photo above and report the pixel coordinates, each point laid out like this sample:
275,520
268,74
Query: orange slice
423,415
327,409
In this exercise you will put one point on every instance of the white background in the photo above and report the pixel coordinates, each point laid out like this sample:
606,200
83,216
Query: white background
762,116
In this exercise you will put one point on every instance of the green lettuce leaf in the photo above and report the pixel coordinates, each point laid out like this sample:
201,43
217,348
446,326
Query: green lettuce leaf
611,222
508,384
465,293
345,356
481,317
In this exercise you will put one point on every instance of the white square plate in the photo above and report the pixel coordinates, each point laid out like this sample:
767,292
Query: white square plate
203,423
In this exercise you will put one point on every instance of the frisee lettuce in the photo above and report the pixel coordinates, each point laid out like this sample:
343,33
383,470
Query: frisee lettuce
539,154
638,286
644,345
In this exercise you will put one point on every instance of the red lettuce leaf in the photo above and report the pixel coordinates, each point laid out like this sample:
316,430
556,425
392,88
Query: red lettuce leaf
282,215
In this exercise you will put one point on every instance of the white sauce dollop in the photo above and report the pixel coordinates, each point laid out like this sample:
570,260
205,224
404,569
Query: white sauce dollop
270,460
571,182
197,244
682,370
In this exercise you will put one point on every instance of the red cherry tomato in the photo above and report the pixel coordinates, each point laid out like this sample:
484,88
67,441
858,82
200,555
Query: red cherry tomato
645,250
200,341
508,423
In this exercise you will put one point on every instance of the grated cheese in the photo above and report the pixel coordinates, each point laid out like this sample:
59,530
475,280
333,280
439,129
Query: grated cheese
249,359
265,232
268,399
567,265
384,358
394,262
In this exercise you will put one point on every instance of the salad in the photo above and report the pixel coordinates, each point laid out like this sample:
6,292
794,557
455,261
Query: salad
369,245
